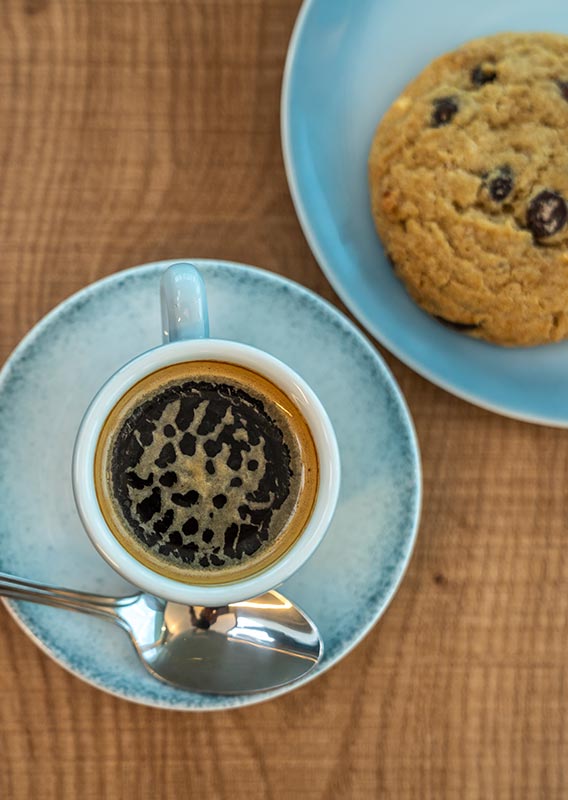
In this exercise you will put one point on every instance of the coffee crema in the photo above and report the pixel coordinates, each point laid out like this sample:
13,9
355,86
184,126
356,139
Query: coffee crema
206,472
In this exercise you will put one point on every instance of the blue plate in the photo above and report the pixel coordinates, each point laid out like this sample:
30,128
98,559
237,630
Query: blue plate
347,61
50,379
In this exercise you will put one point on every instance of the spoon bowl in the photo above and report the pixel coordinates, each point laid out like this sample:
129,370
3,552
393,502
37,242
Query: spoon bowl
245,647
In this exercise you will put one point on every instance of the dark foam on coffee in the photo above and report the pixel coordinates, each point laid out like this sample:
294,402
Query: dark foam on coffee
205,473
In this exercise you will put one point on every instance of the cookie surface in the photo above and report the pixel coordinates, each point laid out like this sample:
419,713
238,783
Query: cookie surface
469,187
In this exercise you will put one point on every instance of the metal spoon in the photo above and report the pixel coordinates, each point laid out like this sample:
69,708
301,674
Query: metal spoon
245,647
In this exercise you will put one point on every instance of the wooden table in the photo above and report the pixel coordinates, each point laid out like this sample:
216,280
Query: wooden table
134,130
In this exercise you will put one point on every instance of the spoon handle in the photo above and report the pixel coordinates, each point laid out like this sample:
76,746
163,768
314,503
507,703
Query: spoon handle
99,605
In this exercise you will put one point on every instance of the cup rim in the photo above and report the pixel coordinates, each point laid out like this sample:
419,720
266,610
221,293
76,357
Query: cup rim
192,350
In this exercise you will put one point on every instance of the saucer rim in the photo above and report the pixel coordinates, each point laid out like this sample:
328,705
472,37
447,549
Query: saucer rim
251,698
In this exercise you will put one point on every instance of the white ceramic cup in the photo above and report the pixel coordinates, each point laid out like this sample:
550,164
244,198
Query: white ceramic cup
186,338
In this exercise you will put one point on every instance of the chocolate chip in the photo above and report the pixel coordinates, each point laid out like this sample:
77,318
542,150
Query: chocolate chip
208,535
445,108
216,561
547,214
481,75
210,467
563,86
236,482
252,465
169,430
501,187
501,183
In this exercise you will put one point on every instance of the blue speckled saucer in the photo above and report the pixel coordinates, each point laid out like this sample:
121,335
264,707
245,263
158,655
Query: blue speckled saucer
46,386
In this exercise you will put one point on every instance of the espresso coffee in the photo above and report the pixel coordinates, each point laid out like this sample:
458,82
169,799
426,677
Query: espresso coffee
206,472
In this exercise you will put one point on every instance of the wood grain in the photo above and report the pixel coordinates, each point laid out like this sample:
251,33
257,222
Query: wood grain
132,130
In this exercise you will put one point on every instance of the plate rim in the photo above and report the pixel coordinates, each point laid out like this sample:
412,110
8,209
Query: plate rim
325,263
250,699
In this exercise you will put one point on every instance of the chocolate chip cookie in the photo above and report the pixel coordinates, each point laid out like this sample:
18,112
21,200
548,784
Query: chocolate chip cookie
469,188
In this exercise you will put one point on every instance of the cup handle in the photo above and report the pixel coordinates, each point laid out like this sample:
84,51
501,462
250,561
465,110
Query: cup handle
184,304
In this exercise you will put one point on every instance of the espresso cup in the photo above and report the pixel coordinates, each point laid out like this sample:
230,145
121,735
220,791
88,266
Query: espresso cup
205,471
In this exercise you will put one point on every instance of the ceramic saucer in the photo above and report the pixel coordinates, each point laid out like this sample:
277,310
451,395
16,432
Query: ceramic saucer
51,377
347,61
